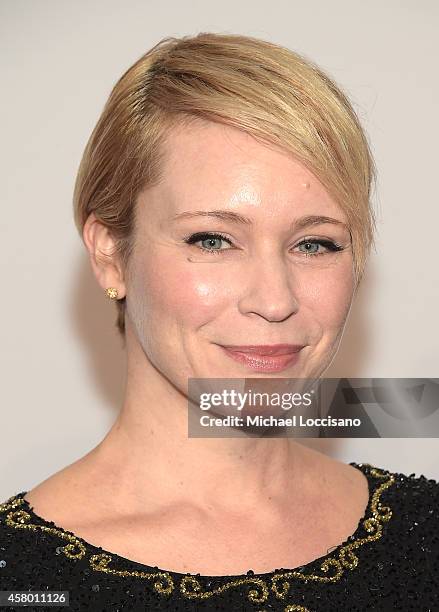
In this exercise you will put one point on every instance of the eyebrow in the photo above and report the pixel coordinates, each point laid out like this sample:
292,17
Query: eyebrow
228,215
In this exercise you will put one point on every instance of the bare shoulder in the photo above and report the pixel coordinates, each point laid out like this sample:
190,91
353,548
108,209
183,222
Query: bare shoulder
64,496
344,488
335,474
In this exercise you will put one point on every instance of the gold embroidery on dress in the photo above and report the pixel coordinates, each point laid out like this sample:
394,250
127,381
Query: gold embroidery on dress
191,588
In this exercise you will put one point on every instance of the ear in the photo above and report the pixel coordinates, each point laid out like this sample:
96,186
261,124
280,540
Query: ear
101,247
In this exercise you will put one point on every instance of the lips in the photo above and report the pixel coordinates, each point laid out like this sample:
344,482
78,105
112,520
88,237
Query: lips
265,358
265,349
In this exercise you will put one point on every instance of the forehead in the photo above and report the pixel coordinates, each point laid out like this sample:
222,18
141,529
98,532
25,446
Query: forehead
209,165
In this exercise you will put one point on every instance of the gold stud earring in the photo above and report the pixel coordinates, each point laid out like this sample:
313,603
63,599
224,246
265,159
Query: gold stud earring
111,293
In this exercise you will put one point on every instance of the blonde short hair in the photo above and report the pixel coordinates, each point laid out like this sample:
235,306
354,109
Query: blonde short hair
266,90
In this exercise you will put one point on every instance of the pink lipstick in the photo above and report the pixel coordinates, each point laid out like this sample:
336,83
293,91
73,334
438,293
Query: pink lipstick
266,358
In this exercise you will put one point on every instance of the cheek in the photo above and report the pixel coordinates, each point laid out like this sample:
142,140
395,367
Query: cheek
329,299
186,292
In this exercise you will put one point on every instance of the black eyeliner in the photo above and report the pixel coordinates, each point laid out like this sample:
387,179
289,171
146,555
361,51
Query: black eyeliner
328,244
204,235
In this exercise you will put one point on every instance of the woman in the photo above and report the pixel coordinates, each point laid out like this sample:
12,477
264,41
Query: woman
224,199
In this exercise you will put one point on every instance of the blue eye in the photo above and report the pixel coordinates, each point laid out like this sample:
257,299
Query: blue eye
212,237
328,244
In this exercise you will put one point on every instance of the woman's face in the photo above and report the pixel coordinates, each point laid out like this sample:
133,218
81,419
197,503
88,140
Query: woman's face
255,285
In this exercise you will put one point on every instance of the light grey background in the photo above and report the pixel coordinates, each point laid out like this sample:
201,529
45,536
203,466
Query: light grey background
62,362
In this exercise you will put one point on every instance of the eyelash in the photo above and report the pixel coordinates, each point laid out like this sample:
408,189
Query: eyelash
200,236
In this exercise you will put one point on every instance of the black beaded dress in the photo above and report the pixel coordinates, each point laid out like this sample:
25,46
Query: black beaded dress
390,562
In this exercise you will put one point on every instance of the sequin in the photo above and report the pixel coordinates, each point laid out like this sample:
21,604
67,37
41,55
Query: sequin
390,562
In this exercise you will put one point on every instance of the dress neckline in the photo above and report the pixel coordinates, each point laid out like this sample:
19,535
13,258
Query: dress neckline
378,480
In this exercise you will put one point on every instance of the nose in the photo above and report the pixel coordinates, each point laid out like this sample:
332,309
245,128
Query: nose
268,290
